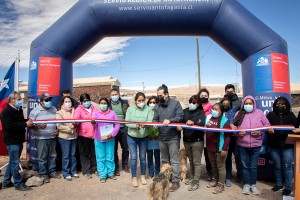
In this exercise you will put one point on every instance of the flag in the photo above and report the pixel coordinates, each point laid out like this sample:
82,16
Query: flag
6,87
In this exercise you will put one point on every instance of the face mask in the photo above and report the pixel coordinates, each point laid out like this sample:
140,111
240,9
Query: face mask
161,99
103,107
141,105
19,103
86,104
248,108
229,95
115,98
68,105
281,109
215,114
192,106
152,105
204,99
47,104
226,108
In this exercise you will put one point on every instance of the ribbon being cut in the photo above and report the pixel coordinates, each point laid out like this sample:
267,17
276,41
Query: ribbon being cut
159,124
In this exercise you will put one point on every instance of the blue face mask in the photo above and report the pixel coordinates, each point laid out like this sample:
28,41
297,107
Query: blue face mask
86,104
215,114
192,106
19,103
47,104
248,108
103,107
115,98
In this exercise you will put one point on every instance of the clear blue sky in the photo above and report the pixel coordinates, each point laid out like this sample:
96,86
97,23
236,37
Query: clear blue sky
173,60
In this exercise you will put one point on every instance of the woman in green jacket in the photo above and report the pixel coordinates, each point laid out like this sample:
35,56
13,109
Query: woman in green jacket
138,135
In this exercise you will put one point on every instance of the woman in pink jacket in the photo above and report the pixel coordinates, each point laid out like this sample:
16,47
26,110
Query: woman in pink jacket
86,136
250,142
105,134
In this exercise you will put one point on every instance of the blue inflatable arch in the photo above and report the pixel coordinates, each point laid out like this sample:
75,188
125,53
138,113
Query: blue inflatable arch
261,52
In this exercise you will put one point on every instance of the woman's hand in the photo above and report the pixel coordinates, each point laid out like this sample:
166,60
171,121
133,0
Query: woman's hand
93,121
178,128
271,131
242,133
296,130
255,133
137,126
223,153
190,123
233,127
109,136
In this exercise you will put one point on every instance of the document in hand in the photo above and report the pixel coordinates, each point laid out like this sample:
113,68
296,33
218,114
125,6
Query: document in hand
105,131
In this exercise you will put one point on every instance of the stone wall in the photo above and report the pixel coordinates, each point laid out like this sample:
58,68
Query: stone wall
95,92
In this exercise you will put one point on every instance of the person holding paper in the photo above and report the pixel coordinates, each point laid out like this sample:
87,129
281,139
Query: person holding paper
104,140
138,135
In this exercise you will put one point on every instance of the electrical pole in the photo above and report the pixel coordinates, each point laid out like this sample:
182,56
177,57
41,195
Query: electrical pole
198,60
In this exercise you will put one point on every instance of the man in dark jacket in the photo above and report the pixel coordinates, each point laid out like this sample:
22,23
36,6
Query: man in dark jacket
167,111
230,93
120,107
14,125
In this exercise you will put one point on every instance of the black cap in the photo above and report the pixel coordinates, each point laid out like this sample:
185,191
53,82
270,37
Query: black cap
45,96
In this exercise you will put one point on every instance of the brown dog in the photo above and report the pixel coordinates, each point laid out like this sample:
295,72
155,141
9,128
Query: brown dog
183,164
159,188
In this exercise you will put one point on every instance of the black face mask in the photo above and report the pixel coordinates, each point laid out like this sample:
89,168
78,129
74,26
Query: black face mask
229,95
280,109
204,99
226,108
161,99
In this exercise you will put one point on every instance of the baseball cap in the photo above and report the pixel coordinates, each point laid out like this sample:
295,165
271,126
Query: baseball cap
45,96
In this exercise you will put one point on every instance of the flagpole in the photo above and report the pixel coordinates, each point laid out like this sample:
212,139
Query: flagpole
16,88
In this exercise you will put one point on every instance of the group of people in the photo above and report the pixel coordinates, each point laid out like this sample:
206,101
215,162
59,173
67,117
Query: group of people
98,140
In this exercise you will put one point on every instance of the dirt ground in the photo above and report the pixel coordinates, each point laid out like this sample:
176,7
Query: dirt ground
121,189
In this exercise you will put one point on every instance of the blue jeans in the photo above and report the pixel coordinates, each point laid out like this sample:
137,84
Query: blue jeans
68,150
283,166
249,159
12,169
133,143
105,158
46,155
150,161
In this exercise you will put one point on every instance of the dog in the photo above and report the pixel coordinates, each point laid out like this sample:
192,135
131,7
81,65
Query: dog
159,188
183,164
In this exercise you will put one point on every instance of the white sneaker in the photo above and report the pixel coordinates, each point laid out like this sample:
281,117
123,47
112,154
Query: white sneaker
246,189
254,190
143,180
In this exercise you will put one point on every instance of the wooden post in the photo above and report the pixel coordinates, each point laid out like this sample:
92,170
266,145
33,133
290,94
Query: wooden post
296,139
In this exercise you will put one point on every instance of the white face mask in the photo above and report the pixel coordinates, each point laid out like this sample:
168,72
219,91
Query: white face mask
68,104
152,105
141,105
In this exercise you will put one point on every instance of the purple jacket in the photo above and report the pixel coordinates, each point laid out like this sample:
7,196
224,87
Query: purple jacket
85,129
254,119
110,114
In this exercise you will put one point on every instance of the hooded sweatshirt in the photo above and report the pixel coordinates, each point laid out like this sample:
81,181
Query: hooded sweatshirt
278,138
253,119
